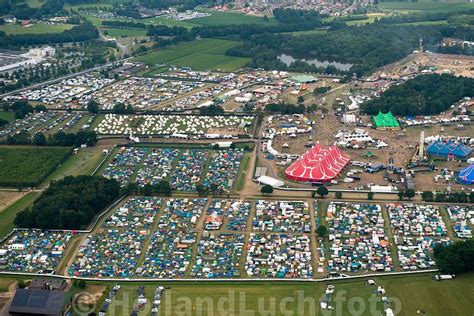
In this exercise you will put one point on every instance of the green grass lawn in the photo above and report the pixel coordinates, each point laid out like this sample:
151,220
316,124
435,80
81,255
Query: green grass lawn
82,163
124,32
199,54
35,28
229,18
7,216
169,22
7,116
35,3
408,293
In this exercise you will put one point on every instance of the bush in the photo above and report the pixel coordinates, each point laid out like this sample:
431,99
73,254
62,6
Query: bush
338,195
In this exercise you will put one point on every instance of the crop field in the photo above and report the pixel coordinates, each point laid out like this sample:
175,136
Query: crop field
199,55
34,29
409,293
230,18
29,166
425,6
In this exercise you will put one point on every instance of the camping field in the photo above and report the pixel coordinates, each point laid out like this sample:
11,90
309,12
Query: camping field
199,55
34,29
409,294
29,166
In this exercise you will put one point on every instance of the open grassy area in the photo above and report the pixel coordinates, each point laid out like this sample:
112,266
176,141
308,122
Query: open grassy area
409,294
35,3
426,6
229,18
29,166
35,28
8,215
124,32
7,116
82,163
200,55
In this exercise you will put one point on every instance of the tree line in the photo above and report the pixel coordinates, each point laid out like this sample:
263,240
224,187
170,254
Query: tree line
59,138
70,203
456,257
422,95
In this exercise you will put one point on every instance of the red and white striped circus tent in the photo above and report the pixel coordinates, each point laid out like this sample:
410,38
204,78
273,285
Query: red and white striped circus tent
319,164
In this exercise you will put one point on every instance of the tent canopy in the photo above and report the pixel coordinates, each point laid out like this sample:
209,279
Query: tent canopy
270,181
466,175
319,164
385,120
439,148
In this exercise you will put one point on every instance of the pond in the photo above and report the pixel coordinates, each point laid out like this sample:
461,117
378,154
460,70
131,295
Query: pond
288,59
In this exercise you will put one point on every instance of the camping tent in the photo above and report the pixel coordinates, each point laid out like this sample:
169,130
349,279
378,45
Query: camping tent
442,149
385,121
319,164
466,175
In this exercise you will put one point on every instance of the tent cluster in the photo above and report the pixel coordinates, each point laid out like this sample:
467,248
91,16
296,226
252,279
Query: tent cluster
361,253
278,256
414,227
358,241
171,246
124,163
33,251
416,252
416,220
319,164
157,166
189,169
282,216
223,169
448,149
466,175
114,124
462,216
219,255
115,251
234,212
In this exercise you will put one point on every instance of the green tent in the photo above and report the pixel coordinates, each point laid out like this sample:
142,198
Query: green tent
387,120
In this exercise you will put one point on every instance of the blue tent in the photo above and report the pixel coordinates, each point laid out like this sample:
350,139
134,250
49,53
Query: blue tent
466,175
442,149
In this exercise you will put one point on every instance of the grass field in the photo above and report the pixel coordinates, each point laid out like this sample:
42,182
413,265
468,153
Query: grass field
408,294
28,166
35,3
7,116
426,6
199,55
34,29
229,18
124,32
7,216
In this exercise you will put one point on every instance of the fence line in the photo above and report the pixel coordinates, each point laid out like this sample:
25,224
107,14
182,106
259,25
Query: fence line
133,280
